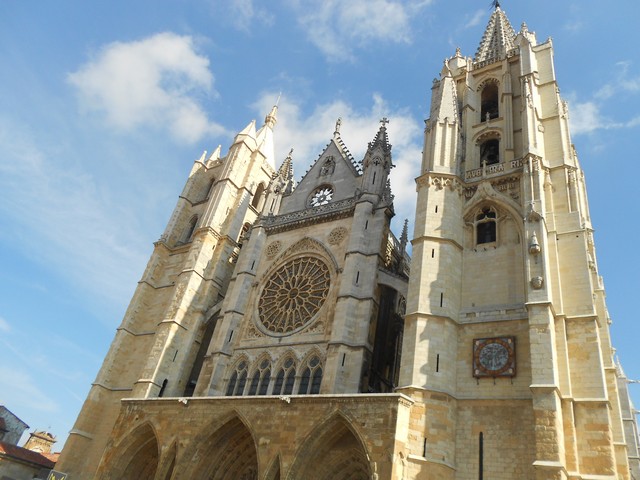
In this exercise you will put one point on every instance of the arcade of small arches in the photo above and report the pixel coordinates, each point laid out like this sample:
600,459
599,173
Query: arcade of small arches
258,379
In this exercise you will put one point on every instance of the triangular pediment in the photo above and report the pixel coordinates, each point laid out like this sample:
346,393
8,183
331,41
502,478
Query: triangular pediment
333,172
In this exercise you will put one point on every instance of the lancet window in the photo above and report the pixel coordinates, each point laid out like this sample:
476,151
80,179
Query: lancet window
311,377
490,152
261,378
188,233
285,379
486,227
489,102
238,380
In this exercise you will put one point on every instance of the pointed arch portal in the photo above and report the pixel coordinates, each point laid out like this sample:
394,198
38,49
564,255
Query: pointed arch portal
137,456
229,454
333,452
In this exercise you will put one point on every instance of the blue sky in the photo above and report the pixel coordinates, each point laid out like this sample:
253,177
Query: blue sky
105,105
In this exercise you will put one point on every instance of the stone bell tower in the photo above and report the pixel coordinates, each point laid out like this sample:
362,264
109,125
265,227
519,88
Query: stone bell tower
155,352
506,341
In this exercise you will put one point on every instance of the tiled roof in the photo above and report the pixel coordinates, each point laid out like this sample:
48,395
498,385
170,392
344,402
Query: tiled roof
19,453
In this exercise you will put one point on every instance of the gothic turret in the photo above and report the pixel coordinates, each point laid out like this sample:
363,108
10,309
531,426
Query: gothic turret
377,162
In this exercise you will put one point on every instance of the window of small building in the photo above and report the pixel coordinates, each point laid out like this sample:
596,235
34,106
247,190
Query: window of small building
489,103
490,152
486,227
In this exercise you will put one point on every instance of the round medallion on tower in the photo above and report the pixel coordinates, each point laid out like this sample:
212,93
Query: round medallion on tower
494,357
293,295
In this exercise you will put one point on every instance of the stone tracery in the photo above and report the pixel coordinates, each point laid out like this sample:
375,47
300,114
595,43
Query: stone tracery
293,295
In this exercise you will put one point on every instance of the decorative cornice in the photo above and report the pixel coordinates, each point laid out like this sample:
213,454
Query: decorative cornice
320,214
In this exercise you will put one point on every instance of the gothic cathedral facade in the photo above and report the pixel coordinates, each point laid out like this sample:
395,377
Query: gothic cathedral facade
281,331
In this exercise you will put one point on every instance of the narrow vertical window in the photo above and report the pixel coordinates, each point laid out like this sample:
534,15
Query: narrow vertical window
490,152
188,233
489,103
311,378
441,298
162,389
438,362
238,380
285,378
486,228
480,456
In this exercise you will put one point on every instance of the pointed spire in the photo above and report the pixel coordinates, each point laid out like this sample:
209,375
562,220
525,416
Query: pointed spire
249,131
404,237
285,172
271,119
498,38
264,137
381,139
215,155
286,169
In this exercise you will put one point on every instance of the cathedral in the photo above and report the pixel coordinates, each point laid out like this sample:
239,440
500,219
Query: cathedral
281,331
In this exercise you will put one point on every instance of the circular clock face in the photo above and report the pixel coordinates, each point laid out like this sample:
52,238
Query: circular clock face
321,196
493,356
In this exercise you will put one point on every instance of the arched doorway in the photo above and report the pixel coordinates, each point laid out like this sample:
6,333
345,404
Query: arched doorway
332,452
229,454
136,457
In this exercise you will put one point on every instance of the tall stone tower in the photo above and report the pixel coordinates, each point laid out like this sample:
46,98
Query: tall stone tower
277,333
155,350
506,340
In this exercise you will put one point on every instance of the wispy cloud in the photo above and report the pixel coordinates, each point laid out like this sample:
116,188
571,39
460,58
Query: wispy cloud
244,13
309,133
4,325
335,27
155,81
475,18
587,117
18,388
623,81
64,219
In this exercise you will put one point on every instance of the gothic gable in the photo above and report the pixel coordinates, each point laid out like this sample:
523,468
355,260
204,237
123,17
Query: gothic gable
332,177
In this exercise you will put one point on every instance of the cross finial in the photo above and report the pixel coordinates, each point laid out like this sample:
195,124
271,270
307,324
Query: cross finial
384,121
338,125
495,4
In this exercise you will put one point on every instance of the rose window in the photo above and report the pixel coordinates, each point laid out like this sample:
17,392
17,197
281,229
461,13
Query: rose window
293,294
321,196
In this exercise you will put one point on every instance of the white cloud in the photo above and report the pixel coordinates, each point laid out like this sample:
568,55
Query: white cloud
585,118
245,12
335,27
155,81
309,133
4,325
